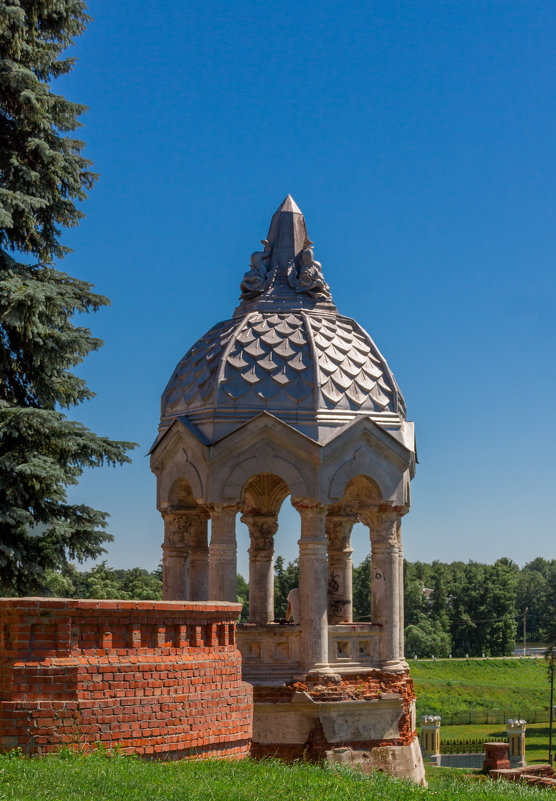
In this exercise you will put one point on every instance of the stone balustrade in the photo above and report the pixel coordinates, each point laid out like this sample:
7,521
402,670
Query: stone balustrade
353,646
274,652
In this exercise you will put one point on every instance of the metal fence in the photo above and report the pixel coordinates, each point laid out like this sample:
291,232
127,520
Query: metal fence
485,715
474,746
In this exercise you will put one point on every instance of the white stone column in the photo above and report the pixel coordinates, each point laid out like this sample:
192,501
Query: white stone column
223,552
262,529
402,604
384,525
340,568
313,583
199,558
175,555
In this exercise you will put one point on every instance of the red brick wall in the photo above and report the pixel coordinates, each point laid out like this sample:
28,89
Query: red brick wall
159,678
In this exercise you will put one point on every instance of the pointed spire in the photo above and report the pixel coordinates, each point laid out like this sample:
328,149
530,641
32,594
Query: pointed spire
287,234
285,274
289,204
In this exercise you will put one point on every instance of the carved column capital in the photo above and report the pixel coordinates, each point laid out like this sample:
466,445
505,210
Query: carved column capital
262,529
313,516
222,509
223,522
178,526
338,532
198,528
309,508
384,523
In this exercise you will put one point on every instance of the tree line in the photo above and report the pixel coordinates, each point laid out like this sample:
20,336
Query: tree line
453,608
457,608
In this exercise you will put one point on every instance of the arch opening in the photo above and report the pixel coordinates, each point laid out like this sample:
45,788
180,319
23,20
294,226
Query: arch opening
349,577
262,498
185,548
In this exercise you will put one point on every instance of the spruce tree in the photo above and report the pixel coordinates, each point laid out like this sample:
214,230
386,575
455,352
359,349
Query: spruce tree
43,177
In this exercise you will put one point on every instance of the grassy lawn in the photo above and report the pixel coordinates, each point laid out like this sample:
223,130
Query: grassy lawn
443,687
102,778
458,686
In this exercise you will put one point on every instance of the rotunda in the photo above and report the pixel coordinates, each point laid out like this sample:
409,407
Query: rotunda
289,397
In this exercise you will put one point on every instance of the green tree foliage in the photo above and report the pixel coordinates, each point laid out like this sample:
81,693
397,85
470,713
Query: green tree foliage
104,582
536,593
483,611
43,176
285,579
426,639
362,590
414,593
242,594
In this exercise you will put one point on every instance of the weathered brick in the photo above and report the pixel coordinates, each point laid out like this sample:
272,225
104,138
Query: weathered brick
77,672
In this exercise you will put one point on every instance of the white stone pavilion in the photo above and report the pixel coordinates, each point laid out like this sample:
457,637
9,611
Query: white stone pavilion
290,398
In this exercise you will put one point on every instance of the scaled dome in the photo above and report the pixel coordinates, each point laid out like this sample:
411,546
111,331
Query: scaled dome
286,351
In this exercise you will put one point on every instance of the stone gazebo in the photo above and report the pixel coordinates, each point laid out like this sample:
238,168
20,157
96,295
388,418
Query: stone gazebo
288,397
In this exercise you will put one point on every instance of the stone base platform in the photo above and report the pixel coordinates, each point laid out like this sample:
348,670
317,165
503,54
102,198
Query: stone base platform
365,720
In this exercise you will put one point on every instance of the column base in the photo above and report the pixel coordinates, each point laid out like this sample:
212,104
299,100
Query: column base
394,666
313,673
325,670
364,722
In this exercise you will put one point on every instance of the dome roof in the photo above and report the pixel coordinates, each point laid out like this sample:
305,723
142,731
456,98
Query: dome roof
286,351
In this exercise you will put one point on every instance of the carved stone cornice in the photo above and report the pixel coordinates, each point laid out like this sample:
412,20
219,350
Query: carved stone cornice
262,529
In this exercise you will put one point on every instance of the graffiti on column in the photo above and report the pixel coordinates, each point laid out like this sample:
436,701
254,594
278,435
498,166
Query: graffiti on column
333,584
337,604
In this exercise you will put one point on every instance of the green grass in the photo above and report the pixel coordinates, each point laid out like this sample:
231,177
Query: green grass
119,778
458,686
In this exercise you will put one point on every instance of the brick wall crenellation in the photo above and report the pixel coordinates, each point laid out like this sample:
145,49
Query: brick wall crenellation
160,678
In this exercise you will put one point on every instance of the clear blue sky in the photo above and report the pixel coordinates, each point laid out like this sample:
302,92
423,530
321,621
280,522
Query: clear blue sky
419,140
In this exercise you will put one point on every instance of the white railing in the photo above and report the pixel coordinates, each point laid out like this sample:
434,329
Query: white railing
353,646
271,653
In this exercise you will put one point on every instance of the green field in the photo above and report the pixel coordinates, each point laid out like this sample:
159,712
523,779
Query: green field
103,778
514,687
